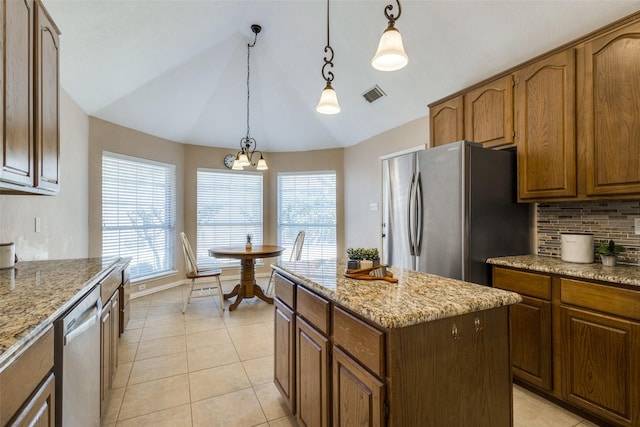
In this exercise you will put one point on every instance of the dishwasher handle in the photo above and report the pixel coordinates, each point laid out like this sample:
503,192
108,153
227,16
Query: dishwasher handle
87,320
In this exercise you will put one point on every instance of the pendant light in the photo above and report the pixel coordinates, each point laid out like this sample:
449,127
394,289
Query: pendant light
247,144
390,55
328,99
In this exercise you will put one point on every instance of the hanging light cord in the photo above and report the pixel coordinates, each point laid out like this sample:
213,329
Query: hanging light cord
328,60
249,46
389,15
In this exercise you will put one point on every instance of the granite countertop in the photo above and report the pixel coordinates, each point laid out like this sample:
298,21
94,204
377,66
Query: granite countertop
621,274
416,298
34,293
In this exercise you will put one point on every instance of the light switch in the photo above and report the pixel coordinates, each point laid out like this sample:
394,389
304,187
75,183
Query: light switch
373,206
37,224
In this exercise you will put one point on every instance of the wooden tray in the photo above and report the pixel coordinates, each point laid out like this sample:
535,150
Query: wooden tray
365,274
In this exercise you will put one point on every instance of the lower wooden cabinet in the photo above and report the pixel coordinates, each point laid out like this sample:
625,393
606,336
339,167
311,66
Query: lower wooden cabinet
601,365
40,410
358,396
109,333
312,376
284,361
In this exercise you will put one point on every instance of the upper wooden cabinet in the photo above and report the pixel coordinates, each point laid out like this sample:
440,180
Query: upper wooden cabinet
545,110
447,121
47,131
488,113
30,135
610,108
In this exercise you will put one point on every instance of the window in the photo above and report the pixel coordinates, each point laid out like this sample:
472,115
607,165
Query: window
307,201
138,213
229,207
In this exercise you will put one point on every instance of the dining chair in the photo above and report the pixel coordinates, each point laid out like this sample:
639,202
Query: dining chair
193,273
295,255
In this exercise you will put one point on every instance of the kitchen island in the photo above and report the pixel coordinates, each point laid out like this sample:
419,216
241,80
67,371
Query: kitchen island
426,351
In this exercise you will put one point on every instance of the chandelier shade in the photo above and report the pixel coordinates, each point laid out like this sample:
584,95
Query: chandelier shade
390,55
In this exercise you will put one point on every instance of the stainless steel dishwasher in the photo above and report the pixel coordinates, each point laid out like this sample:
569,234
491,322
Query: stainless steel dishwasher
77,363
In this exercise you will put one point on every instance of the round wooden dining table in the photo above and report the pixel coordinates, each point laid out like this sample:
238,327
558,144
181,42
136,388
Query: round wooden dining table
247,288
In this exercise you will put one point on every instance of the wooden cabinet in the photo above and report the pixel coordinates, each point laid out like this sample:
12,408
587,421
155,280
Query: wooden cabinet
30,147
447,121
284,359
109,334
594,330
601,366
47,119
545,114
358,396
531,356
17,121
609,110
488,113
312,376
125,294
27,386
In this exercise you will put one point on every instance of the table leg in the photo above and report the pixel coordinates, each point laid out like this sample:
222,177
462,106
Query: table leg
257,290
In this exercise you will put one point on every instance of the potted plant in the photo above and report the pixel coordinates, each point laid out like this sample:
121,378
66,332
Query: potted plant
371,255
608,252
355,256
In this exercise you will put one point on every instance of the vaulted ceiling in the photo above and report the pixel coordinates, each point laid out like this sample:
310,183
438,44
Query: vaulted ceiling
177,68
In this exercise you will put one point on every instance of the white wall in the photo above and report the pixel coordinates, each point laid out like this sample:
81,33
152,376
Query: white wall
64,217
363,180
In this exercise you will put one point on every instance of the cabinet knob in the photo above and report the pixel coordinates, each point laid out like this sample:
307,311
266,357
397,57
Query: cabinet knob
477,324
454,332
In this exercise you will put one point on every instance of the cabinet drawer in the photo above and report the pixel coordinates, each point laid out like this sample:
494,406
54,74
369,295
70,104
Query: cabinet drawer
284,290
22,377
313,308
362,341
109,285
530,284
607,299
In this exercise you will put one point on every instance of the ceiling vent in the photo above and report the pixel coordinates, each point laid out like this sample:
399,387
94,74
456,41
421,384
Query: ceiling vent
374,94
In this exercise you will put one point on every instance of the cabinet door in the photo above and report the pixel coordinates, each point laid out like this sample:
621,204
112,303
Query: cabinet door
358,396
601,366
17,151
47,133
284,362
611,107
531,341
545,111
312,376
40,409
447,121
488,113
115,328
473,371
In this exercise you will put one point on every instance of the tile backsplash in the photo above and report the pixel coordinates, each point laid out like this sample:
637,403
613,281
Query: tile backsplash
605,219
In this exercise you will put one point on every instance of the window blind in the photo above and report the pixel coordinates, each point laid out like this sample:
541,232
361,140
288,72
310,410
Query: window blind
307,202
229,207
139,213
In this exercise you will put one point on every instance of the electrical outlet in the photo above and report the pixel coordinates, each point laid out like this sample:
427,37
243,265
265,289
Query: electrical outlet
142,287
637,225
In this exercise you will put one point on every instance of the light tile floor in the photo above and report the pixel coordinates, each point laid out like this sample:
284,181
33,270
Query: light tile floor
201,369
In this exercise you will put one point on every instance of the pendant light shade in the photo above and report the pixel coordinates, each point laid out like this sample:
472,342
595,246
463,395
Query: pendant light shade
262,164
328,101
390,55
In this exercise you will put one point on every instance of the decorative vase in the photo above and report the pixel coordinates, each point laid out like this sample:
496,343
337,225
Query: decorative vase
608,260
353,264
366,263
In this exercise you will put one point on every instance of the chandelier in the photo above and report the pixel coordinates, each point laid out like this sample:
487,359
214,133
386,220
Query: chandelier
247,144
328,99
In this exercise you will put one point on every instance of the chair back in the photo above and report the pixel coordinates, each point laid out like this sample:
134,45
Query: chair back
189,257
296,251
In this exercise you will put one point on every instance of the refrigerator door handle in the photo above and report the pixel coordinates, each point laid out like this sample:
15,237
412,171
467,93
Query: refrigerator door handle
419,216
410,217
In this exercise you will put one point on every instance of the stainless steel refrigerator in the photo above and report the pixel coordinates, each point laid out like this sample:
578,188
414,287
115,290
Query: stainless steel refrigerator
447,209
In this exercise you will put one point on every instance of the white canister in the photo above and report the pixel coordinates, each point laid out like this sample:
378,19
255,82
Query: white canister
7,255
577,247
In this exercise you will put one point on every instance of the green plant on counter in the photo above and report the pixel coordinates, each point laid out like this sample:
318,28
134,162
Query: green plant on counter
610,249
355,253
370,254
